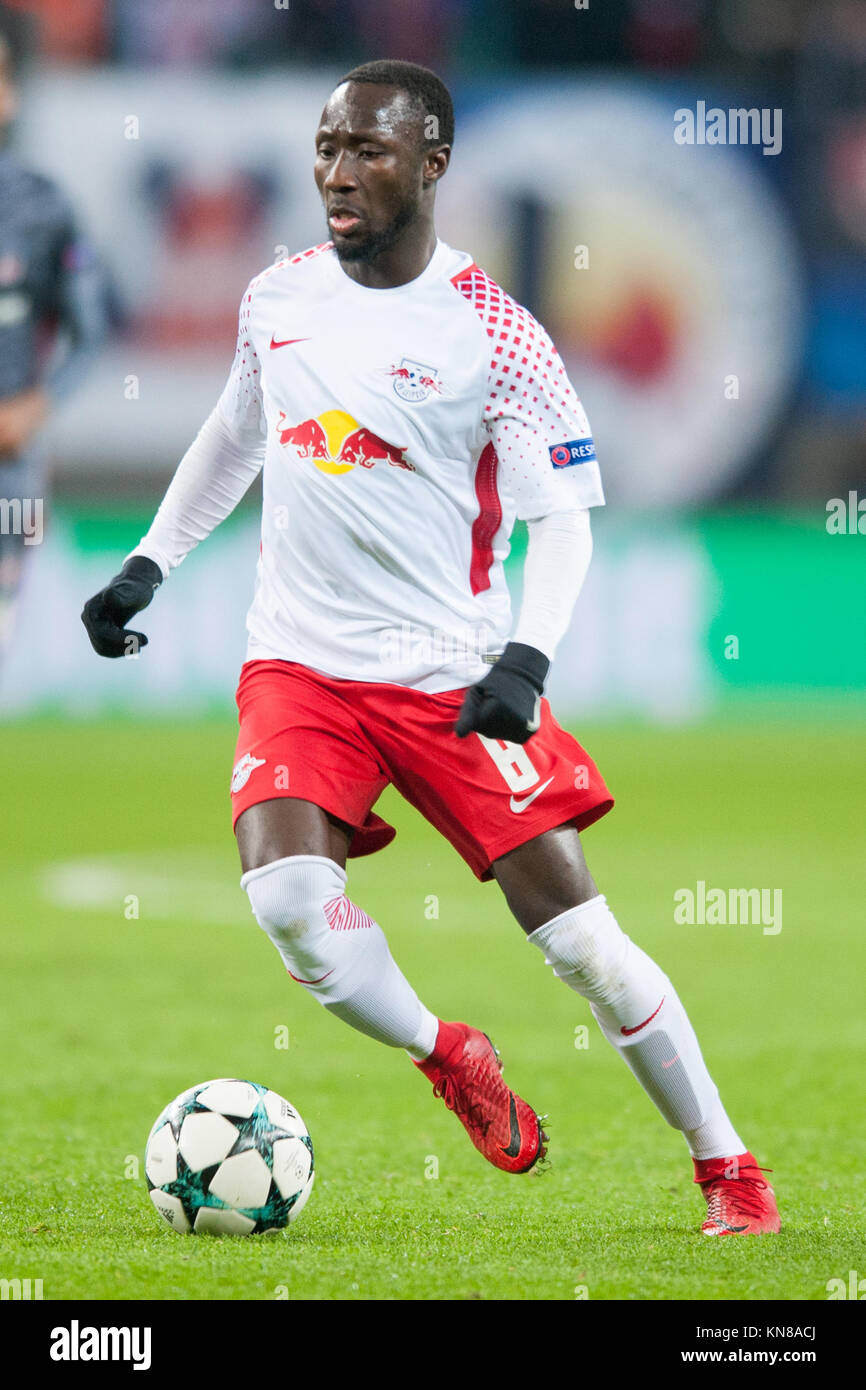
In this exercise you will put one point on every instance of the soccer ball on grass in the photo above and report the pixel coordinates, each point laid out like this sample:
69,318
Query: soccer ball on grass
230,1158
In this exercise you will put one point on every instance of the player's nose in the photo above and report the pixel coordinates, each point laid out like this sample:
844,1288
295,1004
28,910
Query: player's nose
340,176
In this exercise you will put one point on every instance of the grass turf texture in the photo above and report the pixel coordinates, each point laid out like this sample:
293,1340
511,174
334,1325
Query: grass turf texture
106,1017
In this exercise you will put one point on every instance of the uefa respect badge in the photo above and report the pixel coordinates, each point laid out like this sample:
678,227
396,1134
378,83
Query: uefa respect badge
574,451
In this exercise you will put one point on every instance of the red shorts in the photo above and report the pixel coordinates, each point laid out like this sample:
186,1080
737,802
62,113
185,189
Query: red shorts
339,743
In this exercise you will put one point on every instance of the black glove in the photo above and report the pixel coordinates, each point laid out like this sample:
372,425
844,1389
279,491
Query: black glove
106,614
506,703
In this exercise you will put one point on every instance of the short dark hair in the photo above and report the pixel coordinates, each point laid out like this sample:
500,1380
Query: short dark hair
15,40
429,93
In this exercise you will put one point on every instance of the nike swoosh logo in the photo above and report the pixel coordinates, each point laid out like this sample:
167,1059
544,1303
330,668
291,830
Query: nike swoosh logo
518,806
311,982
514,1145
627,1032
287,342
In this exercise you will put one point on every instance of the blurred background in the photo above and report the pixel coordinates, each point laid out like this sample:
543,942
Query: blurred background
709,301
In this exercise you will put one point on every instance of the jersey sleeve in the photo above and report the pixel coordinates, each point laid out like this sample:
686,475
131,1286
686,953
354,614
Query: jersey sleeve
221,463
80,300
532,414
211,478
241,404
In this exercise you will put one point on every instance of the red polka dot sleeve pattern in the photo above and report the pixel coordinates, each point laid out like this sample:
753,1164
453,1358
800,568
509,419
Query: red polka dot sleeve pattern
530,406
241,404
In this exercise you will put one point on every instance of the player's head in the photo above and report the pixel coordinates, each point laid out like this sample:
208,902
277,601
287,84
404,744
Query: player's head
384,141
11,59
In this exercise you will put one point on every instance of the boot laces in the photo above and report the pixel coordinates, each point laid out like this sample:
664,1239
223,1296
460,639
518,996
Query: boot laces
446,1089
745,1190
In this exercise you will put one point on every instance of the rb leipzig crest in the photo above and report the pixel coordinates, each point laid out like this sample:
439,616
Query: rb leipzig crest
414,381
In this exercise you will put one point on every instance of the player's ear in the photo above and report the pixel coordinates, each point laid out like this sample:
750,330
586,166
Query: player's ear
436,162
9,101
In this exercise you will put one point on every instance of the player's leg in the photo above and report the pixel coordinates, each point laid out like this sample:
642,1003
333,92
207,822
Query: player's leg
550,891
293,854
11,564
279,829
21,486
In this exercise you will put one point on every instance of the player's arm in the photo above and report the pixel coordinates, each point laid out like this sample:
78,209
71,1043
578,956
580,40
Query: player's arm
75,299
542,437
81,298
505,704
212,477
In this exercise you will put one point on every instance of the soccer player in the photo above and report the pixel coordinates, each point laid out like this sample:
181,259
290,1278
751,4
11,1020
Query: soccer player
51,284
405,410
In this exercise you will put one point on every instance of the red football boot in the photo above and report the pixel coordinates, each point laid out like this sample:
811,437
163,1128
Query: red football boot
466,1072
739,1201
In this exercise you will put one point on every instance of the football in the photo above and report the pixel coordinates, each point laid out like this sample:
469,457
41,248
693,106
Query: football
229,1157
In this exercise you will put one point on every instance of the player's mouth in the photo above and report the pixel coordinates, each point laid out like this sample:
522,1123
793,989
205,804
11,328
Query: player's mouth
343,220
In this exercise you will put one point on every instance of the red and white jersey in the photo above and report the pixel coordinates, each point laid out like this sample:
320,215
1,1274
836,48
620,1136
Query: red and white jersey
404,431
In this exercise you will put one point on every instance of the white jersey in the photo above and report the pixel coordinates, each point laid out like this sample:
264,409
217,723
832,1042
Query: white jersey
403,431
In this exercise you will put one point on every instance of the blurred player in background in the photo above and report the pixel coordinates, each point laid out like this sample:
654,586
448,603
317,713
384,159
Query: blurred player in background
53,320
405,410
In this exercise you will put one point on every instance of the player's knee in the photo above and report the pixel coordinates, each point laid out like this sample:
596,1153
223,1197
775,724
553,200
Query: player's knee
591,955
287,897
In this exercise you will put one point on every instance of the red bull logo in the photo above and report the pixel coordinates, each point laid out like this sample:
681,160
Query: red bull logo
337,443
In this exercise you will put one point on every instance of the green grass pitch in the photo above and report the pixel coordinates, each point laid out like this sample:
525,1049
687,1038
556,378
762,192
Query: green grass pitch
107,1015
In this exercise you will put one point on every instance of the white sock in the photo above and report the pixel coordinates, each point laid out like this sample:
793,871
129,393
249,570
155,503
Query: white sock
639,1012
337,952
